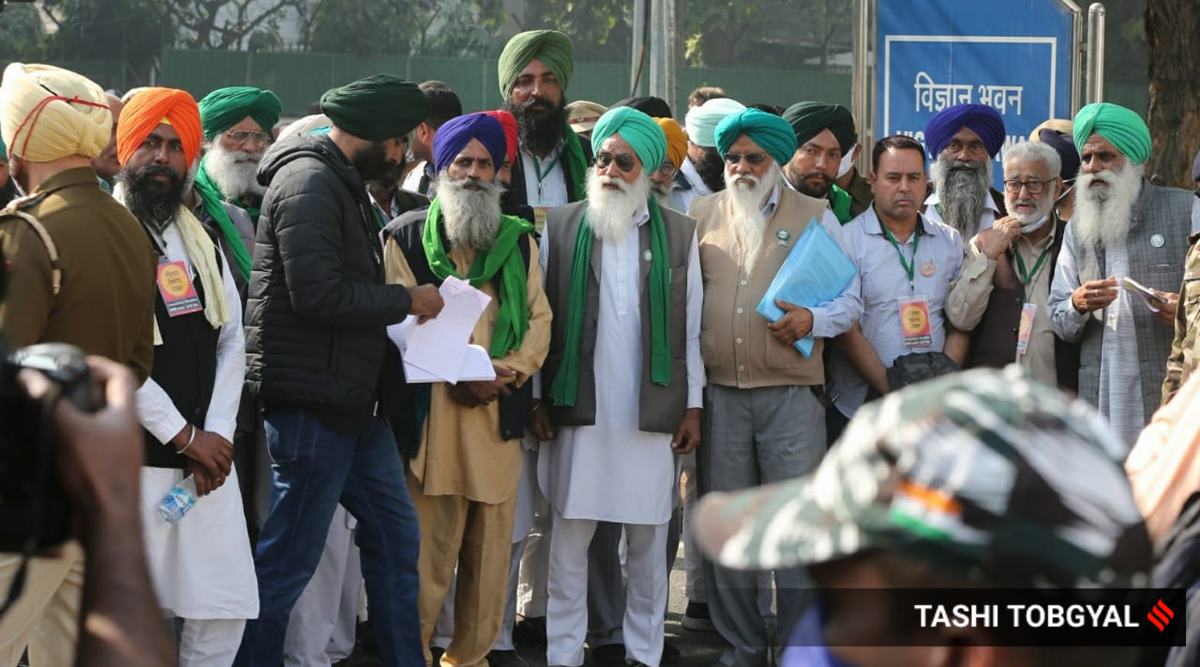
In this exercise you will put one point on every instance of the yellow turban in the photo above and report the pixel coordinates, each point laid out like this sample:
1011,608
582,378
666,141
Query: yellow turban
47,113
676,140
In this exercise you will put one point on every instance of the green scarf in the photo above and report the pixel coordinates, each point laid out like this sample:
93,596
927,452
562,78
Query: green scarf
577,164
211,197
512,321
566,383
839,201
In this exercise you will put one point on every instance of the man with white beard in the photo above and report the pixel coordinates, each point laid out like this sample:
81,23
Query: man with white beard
622,387
1124,227
1001,290
763,422
226,194
962,141
465,462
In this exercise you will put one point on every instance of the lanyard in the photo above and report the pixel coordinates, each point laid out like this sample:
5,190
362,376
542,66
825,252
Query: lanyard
1028,276
537,167
909,267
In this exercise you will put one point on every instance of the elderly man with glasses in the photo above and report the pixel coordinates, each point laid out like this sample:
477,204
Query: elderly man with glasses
1000,295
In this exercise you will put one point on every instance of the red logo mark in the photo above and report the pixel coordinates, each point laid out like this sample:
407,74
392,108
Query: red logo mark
1160,615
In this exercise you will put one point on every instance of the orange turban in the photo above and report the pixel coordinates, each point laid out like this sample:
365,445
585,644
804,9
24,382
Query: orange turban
676,140
152,107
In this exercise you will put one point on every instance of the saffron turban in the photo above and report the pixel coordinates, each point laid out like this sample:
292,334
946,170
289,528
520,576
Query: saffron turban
47,113
1122,127
551,47
509,123
981,119
772,133
702,121
157,106
676,140
377,108
454,135
654,107
640,131
225,107
808,119
583,114
1060,125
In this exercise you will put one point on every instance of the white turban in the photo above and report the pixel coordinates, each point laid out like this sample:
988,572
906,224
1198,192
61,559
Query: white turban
68,124
702,121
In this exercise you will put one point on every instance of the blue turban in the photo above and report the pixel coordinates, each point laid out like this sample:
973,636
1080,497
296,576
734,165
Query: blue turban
1122,127
702,121
454,135
979,118
772,133
641,132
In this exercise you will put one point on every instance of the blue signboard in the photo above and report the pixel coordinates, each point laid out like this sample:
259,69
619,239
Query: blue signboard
1015,55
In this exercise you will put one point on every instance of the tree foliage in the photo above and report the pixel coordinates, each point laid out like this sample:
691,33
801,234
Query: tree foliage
230,24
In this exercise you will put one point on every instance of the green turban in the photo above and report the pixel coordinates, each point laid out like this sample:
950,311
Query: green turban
3,150
809,118
641,132
225,107
1123,127
376,108
770,132
551,47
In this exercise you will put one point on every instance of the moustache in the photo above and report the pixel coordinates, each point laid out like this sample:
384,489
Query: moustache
537,103
614,181
963,165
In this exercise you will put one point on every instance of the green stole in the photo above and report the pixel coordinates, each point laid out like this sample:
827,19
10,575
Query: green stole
566,383
839,202
574,157
213,202
512,319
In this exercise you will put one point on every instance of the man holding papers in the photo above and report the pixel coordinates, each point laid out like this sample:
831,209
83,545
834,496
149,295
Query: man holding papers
463,478
622,387
763,423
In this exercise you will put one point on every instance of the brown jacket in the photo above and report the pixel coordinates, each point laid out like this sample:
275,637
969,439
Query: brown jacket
105,305
1185,348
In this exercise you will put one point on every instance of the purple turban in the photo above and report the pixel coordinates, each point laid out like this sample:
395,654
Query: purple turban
454,135
979,118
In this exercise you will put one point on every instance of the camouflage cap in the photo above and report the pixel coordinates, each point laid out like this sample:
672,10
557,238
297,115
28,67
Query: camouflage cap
989,473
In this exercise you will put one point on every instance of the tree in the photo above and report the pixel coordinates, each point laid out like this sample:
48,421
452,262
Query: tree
133,32
362,28
600,29
1173,33
22,36
229,24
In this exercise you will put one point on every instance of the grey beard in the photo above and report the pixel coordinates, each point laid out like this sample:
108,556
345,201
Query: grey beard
232,177
472,217
1103,215
962,193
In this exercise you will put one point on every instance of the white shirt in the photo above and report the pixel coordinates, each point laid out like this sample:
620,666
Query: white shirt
681,198
612,471
551,190
986,219
156,411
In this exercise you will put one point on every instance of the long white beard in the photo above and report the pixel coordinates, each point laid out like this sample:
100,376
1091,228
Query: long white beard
472,217
962,189
746,200
234,172
1103,213
610,212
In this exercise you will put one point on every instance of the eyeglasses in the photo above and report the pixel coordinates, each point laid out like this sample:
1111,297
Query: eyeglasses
240,137
1034,186
753,159
625,161
666,169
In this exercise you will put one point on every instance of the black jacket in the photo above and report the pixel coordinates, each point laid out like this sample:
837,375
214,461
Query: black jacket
318,307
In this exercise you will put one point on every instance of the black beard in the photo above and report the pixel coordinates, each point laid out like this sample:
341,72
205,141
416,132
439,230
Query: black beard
816,193
539,124
150,201
371,162
390,178
712,170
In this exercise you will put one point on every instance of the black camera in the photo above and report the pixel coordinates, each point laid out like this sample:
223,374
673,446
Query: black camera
34,512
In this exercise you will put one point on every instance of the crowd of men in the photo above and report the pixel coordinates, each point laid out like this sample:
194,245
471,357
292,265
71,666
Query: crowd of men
251,276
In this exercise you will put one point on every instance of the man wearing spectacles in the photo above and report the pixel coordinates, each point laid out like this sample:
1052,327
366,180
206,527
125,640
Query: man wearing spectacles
1000,294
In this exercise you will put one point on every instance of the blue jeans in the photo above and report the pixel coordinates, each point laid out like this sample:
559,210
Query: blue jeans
314,468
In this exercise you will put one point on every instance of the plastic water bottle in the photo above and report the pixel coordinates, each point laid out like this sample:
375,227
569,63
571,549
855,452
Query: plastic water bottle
178,500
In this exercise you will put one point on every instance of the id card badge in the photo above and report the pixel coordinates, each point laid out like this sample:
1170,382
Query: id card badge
539,217
176,288
1028,312
914,322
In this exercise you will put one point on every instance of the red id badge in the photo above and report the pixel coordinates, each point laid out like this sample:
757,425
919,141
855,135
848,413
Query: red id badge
178,292
914,322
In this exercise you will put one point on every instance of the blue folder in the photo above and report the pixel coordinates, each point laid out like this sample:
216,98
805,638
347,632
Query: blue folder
815,272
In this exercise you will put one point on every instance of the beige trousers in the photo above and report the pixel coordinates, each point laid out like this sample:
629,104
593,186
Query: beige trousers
46,616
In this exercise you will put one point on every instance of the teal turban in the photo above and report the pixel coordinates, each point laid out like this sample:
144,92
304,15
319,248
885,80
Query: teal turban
1123,127
702,121
376,108
808,119
551,47
641,132
772,133
3,150
225,107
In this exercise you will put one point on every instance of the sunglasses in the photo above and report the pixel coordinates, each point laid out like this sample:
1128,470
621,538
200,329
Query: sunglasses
625,161
242,136
753,159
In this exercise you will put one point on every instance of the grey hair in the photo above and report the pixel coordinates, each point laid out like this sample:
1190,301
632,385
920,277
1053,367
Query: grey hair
1036,152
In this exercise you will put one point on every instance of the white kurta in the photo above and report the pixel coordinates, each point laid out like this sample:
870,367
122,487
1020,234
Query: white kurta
201,566
612,471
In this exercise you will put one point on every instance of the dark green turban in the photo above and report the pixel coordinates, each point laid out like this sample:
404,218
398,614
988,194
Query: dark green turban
551,47
1122,127
809,118
225,107
770,132
376,108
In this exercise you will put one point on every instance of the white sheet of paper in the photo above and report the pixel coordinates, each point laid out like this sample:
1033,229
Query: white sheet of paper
1146,294
477,365
439,346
